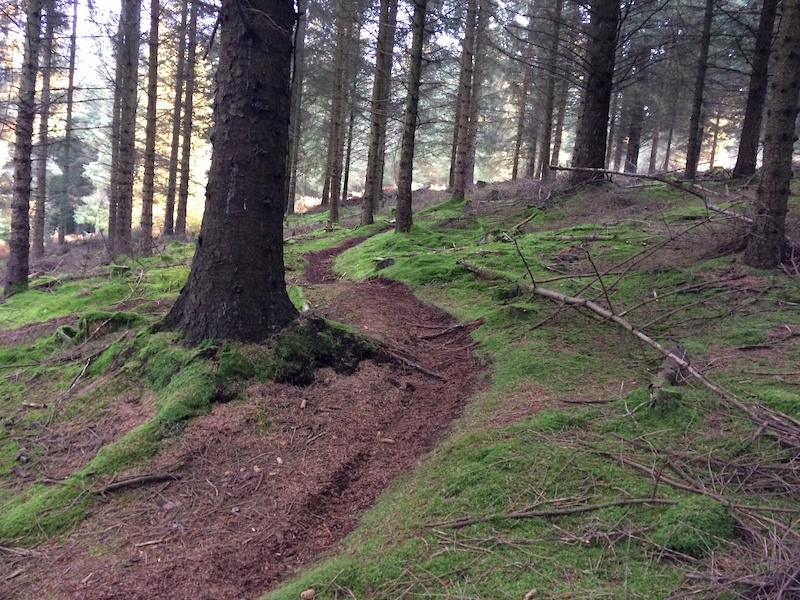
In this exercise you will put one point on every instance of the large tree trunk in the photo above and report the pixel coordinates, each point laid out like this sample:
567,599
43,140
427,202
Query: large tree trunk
37,247
236,287
695,120
169,212
129,65
403,213
379,113
17,267
751,127
146,222
65,199
188,110
590,139
562,110
298,66
767,239
464,98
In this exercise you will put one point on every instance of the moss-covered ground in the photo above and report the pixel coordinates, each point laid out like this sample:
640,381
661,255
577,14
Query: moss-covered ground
602,494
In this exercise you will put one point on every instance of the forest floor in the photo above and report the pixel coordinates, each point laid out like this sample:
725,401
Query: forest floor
268,483
515,450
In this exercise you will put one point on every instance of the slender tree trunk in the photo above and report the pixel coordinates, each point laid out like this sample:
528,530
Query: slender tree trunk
17,267
617,143
345,59
523,109
379,112
464,99
169,211
673,116
298,66
562,110
403,213
590,139
550,93
635,123
656,120
757,93
236,288
37,247
113,191
714,141
767,240
695,120
65,200
188,110
129,64
146,222
481,48
614,119
533,144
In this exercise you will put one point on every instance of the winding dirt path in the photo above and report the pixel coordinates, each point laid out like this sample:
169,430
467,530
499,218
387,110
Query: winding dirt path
270,483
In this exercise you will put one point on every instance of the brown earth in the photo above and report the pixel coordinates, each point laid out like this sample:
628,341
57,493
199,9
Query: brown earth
266,484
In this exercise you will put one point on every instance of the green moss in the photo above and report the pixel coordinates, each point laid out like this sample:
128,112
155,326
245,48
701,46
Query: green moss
781,400
694,526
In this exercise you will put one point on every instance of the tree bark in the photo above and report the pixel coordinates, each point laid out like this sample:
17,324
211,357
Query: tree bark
767,240
188,110
298,67
403,213
590,139
169,211
464,99
481,48
550,93
37,247
562,110
113,191
379,112
635,123
757,93
17,267
146,221
128,63
236,287
65,200
695,120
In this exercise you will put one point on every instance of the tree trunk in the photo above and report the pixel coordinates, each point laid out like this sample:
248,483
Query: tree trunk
656,127
714,141
590,139
464,99
767,239
146,222
695,120
113,191
188,109
379,113
129,65
562,110
236,287
481,48
635,123
757,93
612,128
533,142
345,75
523,109
65,200
298,66
403,213
17,267
550,93
37,247
169,212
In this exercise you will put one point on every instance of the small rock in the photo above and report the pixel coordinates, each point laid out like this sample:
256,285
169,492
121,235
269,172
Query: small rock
22,455
309,594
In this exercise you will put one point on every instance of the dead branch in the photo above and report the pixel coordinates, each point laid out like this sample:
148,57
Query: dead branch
137,481
553,512
782,426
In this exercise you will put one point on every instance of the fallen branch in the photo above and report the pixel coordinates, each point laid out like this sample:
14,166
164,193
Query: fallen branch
782,426
553,512
409,363
137,481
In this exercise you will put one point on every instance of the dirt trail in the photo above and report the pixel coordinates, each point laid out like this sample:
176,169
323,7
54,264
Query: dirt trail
270,483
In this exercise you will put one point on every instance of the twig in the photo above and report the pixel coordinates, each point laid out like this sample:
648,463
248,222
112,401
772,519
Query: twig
136,481
555,512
